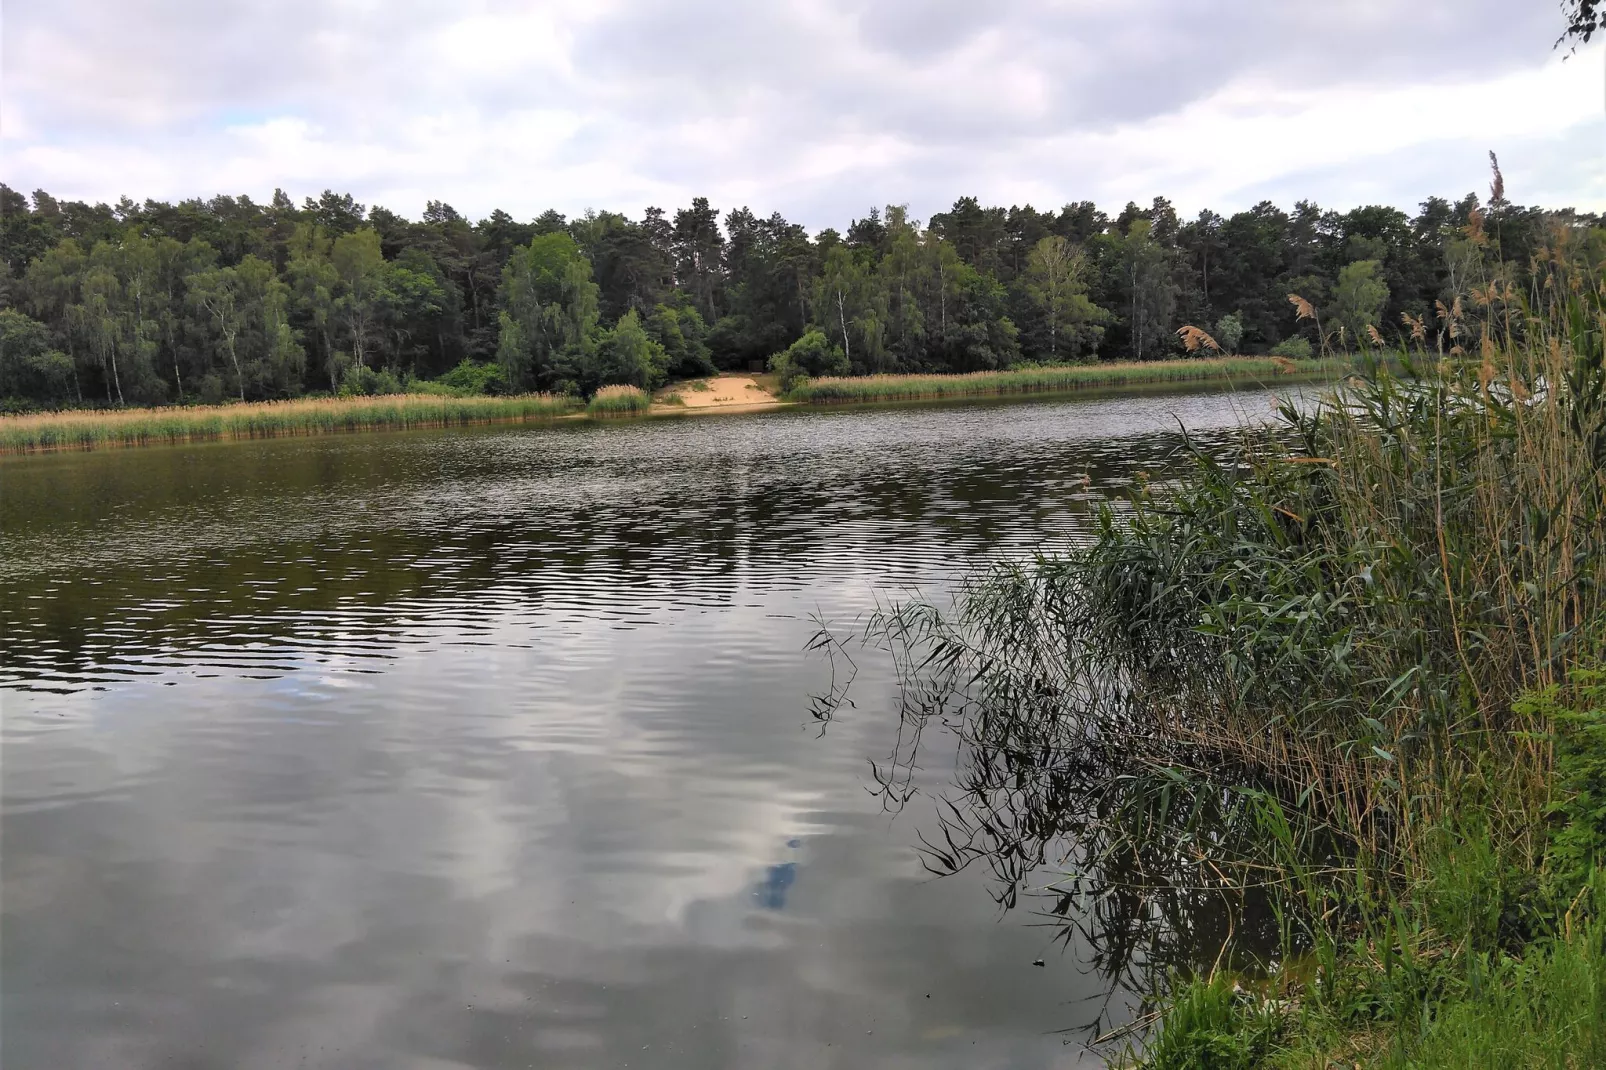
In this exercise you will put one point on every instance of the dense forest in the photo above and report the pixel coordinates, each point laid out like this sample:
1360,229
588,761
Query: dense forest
208,300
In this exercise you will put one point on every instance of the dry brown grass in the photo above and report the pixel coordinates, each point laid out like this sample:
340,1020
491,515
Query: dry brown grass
1057,378
88,429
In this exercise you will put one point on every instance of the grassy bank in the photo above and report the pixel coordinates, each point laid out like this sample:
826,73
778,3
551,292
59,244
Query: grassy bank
85,429
619,401
1060,378
91,429
1314,736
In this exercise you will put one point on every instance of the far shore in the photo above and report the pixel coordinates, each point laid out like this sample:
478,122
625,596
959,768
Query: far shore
1063,378
730,393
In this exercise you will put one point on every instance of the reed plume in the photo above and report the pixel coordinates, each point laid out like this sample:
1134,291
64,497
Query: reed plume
1193,338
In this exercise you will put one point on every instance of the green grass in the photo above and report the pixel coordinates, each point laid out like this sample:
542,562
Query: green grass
619,401
1415,989
1217,1025
92,429
1055,379
1542,1008
1545,1009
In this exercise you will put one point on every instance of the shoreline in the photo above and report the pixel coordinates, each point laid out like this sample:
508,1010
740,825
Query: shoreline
91,429
1067,378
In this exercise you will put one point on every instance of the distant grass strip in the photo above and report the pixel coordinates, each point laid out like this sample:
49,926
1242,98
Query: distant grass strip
619,401
1048,380
85,429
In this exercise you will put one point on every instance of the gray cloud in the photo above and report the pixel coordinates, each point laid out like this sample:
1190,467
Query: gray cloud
819,109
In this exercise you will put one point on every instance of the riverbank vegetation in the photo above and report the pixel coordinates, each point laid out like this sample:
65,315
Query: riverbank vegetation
1311,741
140,304
1057,378
619,401
87,429
451,400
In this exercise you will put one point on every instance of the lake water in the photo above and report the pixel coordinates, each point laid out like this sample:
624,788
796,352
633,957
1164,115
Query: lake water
492,747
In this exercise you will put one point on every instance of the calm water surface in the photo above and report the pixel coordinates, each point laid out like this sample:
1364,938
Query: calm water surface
491,748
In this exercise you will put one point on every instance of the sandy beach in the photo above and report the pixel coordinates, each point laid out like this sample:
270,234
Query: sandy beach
735,392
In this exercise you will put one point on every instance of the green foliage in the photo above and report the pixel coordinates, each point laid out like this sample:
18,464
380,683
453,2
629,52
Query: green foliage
415,302
1411,996
246,309
1230,332
1545,1008
769,265
137,298
1306,665
850,310
1295,348
1214,1025
1144,267
698,247
681,334
29,367
631,262
1056,279
1441,977
472,378
359,264
314,283
1584,17
1359,297
809,357
625,355
549,315
980,337
1472,888
1578,806
360,380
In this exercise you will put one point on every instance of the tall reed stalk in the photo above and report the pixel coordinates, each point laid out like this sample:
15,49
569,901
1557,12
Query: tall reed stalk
619,401
1292,670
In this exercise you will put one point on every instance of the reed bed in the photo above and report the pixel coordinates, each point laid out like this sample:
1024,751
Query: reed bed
619,401
1354,665
83,429
1055,379
1341,611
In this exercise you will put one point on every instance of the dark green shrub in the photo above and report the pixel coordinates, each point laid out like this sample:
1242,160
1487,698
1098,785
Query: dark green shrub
472,377
809,357
1295,348
363,380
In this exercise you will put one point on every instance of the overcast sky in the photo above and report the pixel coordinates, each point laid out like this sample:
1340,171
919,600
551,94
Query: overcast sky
816,108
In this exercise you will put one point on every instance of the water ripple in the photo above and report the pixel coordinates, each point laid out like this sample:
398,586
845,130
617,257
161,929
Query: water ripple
490,747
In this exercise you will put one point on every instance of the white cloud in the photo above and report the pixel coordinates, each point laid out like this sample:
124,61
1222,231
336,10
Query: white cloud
1254,135
817,109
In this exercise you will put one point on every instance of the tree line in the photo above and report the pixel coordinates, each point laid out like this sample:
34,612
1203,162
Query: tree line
204,300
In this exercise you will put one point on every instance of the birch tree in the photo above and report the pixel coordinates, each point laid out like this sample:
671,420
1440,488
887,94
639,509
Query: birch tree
1056,280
